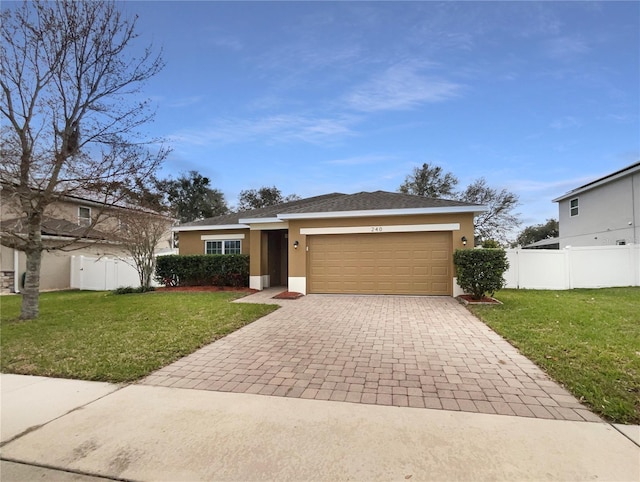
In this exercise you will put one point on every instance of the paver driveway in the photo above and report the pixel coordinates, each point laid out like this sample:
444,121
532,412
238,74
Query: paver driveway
426,352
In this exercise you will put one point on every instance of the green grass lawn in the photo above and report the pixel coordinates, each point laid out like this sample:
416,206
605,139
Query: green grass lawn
588,340
115,338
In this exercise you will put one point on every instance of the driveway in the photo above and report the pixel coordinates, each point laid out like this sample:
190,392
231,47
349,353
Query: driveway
422,352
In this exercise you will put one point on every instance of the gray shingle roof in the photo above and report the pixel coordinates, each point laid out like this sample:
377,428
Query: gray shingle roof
266,212
56,227
365,201
336,202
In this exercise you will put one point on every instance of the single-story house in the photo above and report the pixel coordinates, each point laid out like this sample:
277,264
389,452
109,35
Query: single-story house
368,243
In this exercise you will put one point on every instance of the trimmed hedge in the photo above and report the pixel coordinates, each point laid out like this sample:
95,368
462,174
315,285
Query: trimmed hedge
203,270
480,271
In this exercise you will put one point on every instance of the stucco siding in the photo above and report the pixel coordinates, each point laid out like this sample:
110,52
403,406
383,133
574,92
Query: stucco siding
191,242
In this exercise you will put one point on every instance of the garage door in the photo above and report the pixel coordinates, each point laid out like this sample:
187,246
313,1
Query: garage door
380,263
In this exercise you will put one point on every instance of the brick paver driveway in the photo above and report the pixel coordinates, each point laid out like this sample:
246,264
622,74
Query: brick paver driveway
424,352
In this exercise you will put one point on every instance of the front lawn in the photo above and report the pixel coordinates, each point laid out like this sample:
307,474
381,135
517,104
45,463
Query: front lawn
115,338
588,340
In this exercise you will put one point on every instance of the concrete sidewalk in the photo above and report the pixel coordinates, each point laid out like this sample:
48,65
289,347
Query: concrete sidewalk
157,433
28,402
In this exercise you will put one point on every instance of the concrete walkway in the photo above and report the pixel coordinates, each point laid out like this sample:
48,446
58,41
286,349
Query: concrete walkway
151,433
404,351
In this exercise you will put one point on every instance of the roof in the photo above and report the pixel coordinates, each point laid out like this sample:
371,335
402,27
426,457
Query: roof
543,242
56,227
265,212
625,171
335,205
89,198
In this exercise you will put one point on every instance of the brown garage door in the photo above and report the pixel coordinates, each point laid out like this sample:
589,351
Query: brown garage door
380,263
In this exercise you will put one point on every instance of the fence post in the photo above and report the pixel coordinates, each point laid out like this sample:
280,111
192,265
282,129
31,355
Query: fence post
568,276
634,255
518,268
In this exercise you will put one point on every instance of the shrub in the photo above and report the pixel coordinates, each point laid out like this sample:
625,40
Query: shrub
480,271
203,270
490,244
125,290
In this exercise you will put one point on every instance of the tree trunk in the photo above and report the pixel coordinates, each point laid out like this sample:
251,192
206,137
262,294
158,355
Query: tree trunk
31,290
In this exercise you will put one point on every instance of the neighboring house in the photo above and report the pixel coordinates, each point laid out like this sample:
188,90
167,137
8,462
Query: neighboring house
369,243
602,212
549,243
65,221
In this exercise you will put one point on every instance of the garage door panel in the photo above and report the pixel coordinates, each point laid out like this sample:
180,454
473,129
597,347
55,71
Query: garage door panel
439,287
439,271
439,255
381,263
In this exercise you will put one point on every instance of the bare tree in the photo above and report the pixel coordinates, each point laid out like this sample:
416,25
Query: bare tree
429,181
141,233
69,80
499,221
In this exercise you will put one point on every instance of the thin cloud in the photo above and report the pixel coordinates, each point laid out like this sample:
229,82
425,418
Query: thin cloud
566,122
565,47
281,128
228,43
304,58
559,187
359,160
186,101
400,87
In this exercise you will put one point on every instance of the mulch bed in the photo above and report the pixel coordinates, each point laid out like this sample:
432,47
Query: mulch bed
288,295
468,300
206,289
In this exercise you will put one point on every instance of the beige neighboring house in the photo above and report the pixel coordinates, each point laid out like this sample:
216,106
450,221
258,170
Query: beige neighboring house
65,221
368,243
603,212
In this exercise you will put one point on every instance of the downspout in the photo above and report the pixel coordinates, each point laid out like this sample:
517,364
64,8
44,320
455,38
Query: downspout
16,270
633,210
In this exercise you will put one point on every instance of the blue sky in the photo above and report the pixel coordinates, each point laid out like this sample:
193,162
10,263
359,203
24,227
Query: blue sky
317,97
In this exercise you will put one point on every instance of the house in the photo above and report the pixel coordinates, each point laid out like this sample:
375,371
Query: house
369,243
67,221
603,212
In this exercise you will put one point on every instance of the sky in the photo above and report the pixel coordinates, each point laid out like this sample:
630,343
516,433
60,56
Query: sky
318,97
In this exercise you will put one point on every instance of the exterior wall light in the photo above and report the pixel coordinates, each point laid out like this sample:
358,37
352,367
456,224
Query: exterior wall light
464,240
296,244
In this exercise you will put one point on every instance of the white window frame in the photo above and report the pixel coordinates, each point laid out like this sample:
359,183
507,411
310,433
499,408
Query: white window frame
223,247
82,220
572,207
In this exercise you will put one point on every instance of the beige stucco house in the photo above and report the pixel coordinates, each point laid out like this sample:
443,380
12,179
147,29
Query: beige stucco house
369,243
64,221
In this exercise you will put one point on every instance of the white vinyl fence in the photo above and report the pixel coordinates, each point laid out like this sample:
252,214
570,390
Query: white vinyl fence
104,273
575,267
579,267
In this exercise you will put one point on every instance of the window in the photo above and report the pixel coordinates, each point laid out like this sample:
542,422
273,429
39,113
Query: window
84,216
223,247
213,247
232,247
574,207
